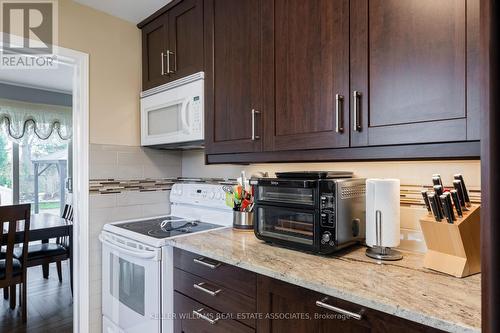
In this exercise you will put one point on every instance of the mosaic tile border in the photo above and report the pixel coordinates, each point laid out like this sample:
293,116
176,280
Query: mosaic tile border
410,195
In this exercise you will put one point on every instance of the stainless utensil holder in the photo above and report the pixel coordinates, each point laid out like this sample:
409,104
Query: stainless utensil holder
242,220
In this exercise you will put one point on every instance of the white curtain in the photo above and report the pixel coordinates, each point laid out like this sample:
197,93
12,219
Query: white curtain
25,122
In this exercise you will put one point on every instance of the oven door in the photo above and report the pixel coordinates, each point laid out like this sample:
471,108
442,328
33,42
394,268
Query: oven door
287,226
130,284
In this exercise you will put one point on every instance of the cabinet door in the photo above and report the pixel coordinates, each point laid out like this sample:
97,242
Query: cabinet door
310,79
185,47
233,75
409,71
154,47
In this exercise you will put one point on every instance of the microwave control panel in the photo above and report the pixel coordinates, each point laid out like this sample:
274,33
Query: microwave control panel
196,112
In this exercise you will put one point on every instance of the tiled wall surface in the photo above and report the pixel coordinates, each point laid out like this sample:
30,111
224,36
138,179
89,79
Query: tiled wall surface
416,173
123,163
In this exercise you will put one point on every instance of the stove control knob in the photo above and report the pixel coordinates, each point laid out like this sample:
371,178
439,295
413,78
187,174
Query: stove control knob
211,195
218,196
326,237
204,194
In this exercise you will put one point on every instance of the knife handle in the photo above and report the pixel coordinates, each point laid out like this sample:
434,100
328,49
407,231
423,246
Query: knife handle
436,179
456,202
438,189
446,209
457,184
426,201
434,207
450,206
464,188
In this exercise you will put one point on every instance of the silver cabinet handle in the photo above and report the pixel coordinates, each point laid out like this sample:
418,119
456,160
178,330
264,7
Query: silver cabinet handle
200,287
254,137
339,113
169,53
197,313
324,305
355,99
202,261
162,63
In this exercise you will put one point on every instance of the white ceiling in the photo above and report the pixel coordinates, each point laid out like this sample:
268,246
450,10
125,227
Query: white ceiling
130,10
60,79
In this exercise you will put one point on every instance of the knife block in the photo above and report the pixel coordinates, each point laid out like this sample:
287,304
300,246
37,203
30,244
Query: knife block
453,249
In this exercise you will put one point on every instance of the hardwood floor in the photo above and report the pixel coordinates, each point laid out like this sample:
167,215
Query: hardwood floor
50,305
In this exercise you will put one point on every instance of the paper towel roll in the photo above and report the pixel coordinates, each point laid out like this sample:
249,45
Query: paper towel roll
383,195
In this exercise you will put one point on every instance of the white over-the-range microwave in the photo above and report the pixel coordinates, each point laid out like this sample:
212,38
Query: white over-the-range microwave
172,114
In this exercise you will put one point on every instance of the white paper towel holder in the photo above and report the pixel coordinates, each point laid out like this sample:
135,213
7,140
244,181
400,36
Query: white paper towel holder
378,251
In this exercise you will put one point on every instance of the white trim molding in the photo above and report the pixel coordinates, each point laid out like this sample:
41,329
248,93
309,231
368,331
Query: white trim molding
79,62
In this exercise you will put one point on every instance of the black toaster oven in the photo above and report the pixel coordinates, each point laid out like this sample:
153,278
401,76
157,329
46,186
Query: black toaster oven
314,215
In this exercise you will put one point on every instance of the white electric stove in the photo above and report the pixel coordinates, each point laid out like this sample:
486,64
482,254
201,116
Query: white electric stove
137,274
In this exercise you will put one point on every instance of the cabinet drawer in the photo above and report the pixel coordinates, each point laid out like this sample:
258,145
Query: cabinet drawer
188,319
222,299
225,275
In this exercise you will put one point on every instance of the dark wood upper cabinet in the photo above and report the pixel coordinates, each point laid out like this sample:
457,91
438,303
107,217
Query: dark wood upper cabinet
154,46
410,72
172,43
310,75
185,27
233,82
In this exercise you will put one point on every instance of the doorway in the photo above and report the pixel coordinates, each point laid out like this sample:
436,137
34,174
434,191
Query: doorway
49,171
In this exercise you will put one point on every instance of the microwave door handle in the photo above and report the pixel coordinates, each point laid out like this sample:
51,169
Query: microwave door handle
133,253
184,110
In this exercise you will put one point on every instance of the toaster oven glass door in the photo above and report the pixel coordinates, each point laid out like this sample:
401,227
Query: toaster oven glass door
286,195
288,224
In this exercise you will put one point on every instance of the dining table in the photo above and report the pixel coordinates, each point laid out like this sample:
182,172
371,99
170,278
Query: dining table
43,227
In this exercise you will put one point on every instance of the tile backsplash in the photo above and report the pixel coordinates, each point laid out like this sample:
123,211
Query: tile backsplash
414,175
125,183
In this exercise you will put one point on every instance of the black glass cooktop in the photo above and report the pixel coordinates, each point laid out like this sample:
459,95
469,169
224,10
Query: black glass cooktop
167,226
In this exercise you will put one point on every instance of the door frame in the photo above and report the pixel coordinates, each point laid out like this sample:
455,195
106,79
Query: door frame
79,61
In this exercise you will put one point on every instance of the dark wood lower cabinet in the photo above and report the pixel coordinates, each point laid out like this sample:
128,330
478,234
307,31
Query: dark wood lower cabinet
194,317
296,310
275,307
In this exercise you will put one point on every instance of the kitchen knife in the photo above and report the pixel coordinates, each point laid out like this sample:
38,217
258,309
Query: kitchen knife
456,201
426,200
446,208
457,184
464,188
436,179
434,207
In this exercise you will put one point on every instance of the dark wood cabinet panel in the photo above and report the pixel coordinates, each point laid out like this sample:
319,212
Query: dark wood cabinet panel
185,27
305,315
409,68
233,75
311,68
154,46
172,44
187,320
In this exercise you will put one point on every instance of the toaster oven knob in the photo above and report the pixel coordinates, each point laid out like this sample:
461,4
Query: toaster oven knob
324,201
326,237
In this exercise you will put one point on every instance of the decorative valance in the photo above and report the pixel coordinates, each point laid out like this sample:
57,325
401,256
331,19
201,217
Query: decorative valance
23,121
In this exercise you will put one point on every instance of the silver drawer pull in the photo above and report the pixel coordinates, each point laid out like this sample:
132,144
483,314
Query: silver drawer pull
254,136
202,261
200,287
356,95
162,63
197,313
350,314
339,113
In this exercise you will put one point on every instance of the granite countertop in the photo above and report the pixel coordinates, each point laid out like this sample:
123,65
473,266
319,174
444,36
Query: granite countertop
401,288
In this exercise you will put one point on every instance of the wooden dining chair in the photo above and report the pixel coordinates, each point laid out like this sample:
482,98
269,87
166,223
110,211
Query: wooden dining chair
47,253
13,271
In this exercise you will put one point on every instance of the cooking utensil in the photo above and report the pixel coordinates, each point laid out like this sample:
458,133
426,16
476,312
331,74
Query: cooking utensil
456,202
464,188
426,200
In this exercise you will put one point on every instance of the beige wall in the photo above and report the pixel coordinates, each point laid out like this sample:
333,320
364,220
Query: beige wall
114,48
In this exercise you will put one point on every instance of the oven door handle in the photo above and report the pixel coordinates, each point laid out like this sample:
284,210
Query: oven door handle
133,253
